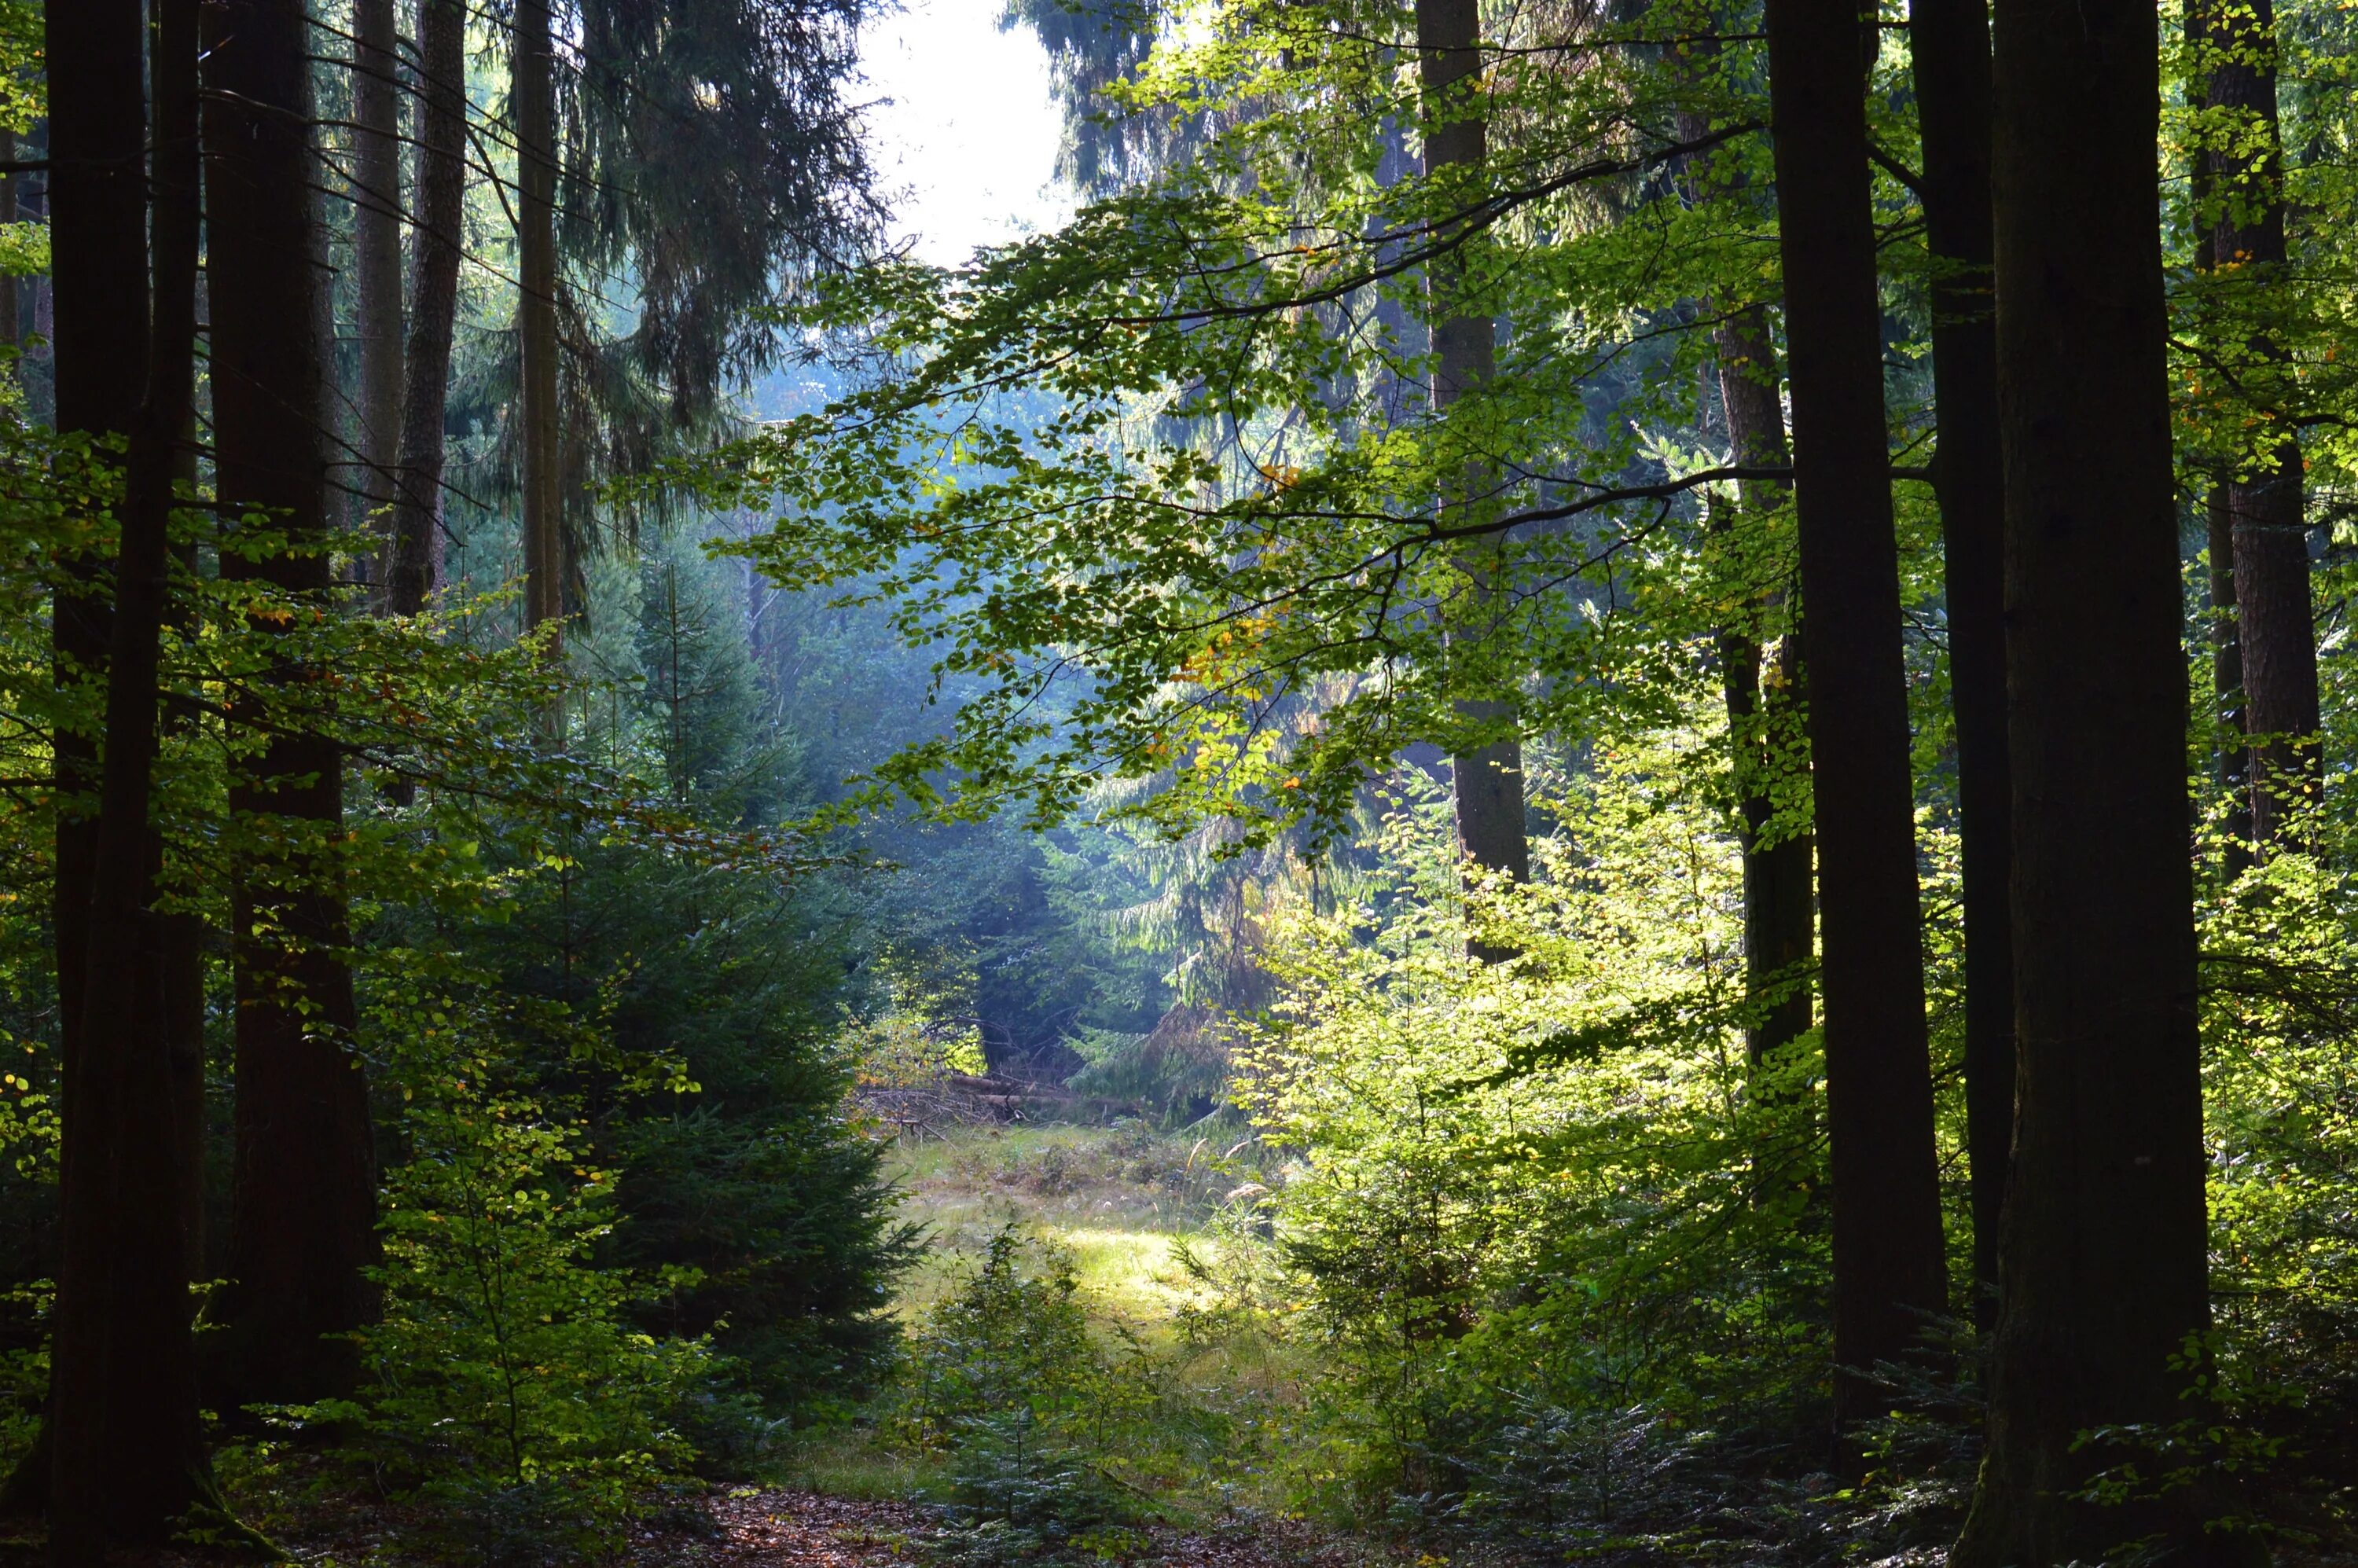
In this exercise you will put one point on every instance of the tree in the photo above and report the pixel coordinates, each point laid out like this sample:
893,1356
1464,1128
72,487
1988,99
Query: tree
2267,594
1765,702
1949,42
128,1446
442,188
376,253
2103,1265
304,1191
1489,779
531,110
1890,1264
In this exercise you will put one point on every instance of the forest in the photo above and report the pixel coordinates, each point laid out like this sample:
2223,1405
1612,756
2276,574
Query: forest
1576,789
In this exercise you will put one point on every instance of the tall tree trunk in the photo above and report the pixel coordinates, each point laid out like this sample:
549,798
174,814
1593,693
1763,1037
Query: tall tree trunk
1488,780
305,1181
2267,522
127,1445
441,217
1950,42
97,327
2234,757
532,101
98,336
1763,716
2103,1244
376,250
1889,1263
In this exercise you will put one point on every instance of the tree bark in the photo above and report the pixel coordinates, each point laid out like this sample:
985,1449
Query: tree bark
1488,781
2267,517
305,1182
440,235
2103,1244
376,253
126,1442
1949,44
532,96
1891,1267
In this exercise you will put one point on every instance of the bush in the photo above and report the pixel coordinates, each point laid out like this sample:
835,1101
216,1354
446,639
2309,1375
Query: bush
506,1380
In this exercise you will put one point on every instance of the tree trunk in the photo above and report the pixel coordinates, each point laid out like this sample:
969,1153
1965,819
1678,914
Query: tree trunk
441,217
127,1445
2267,522
97,327
1950,42
376,252
1889,1263
2102,1250
1488,780
532,96
98,337
1763,719
305,1182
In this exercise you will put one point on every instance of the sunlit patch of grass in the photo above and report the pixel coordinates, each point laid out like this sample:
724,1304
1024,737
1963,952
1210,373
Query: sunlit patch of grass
858,1462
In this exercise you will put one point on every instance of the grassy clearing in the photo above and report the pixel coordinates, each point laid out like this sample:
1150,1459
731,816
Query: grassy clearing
1117,1198
1123,1203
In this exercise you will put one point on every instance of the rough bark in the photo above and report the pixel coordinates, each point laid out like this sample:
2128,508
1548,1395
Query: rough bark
1488,781
127,1444
2267,518
441,214
1950,42
303,1199
376,254
532,101
2103,1244
1888,1257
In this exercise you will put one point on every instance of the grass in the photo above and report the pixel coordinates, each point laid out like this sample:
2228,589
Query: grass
1121,1202
1117,1198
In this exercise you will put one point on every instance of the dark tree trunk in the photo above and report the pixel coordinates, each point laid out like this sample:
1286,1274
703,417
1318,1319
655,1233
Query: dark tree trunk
126,1442
2267,523
98,337
1764,717
1488,780
376,252
304,1197
2103,1244
1950,40
441,215
532,101
1891,1267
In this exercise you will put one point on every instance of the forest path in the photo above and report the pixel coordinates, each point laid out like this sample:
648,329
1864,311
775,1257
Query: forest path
806,1530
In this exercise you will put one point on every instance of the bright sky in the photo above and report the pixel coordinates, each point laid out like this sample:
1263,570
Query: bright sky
970,137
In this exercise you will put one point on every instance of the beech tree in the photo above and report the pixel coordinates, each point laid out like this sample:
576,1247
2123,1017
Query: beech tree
1949,45
127,1454
1890,1260
304,1182
2102,1266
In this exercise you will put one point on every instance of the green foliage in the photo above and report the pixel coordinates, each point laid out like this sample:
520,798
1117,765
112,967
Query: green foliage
506,1379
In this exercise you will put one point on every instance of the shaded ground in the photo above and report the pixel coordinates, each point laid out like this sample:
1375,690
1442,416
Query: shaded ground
804,1529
